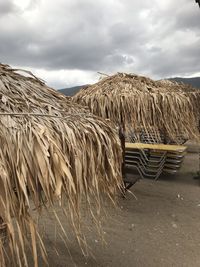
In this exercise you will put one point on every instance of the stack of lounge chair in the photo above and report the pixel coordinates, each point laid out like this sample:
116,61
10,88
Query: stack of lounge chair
150,160
152,137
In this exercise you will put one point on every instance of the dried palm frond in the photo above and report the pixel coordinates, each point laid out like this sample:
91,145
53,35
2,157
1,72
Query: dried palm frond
51,149
139,102
19,93
77,157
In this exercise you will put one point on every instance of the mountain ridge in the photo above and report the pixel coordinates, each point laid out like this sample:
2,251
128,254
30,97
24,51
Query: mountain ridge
71,91
195,82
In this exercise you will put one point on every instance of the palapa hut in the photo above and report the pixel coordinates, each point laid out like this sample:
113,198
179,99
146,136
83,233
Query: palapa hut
51,150
136,102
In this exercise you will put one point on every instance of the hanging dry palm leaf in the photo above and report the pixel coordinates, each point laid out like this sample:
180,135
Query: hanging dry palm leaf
51,150
28,94
141,103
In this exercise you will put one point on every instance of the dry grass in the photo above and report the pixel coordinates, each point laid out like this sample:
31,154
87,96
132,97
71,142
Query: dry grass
141,103
51,150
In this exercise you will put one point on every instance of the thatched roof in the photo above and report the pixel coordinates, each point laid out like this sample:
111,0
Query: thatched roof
137,101
48,154
21,91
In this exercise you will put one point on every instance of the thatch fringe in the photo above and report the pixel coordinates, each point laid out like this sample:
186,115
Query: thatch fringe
141,103
47,159
51,150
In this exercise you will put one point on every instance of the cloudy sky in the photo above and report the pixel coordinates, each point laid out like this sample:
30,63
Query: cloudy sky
66,42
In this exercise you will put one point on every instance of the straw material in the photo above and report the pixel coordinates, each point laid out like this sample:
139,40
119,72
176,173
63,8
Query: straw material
28,94
141,103
49,155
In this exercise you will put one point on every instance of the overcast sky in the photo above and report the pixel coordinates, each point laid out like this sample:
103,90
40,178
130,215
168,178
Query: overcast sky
66,42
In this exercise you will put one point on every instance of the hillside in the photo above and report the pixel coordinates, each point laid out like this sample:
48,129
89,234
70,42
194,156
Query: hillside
71,90
195,82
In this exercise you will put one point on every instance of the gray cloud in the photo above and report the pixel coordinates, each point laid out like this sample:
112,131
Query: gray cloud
6,7
160,38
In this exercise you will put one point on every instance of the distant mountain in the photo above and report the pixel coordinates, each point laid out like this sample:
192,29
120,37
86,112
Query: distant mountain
71,90
195,82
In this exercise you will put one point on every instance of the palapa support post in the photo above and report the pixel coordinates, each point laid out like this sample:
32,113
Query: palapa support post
122,139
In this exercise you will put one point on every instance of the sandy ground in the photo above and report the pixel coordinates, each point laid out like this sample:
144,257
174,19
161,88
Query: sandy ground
160,228
157,224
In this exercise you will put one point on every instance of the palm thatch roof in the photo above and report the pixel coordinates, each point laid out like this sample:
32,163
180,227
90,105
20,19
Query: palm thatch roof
51,150
21,91
139,102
